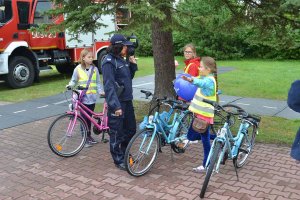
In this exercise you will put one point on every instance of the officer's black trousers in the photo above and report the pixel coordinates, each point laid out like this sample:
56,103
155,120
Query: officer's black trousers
122,129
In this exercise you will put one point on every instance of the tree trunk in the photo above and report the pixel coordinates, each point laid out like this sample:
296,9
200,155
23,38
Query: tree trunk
163,54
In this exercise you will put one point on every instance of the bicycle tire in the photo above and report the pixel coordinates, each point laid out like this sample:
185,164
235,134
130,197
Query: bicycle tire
138,163
245,148
210,167
220,118
60,143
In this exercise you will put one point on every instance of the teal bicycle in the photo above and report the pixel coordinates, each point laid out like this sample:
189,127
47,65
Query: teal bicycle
226,146
162,128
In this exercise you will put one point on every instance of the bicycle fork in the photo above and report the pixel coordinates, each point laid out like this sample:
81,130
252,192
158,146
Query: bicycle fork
217,166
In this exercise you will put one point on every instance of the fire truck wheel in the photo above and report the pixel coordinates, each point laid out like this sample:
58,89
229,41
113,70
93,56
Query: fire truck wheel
65,68
100,58
21,72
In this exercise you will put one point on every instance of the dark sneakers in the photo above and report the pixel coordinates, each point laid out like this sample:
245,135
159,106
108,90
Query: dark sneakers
92,140
121,166
89,142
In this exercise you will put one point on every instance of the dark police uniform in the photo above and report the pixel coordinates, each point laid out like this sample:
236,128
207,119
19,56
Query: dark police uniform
118,72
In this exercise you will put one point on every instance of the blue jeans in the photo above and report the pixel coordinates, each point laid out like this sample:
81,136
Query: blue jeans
204,137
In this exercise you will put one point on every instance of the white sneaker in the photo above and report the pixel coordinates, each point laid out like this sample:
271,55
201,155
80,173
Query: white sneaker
199,169
184,144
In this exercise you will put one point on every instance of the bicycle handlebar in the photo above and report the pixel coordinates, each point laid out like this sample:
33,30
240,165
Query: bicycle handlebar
76,89
244,114
79,87
176,104
147,93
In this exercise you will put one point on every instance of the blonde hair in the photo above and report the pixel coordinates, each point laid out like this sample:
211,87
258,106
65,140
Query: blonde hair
210,63
192,46
83,53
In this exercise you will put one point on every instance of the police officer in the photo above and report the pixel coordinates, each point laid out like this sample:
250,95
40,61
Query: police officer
117,77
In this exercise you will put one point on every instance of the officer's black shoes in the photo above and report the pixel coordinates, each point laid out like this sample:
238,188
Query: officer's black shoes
121,166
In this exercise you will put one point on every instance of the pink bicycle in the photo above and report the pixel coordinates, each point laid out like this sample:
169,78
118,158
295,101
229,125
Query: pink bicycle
67,133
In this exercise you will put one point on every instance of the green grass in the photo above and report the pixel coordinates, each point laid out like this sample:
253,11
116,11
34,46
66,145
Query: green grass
259,78
277,130
51,83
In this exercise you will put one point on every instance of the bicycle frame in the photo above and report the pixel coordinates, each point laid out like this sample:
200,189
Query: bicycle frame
79,107
230,143
162,127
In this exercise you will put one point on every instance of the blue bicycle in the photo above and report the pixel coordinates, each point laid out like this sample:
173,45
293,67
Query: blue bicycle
227,146
161,129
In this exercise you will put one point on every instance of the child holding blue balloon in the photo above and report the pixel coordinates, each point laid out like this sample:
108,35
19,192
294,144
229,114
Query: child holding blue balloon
207,89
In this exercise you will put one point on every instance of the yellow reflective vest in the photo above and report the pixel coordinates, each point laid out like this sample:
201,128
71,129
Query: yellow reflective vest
199,107
186,69
83,79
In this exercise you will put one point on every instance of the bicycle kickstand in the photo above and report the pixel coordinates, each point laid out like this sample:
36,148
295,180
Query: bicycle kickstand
235,167
172,156
104,140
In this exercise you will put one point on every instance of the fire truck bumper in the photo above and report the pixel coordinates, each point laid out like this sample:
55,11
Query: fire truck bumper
4,63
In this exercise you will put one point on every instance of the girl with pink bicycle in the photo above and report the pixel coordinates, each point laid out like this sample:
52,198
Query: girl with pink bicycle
87,75
69,133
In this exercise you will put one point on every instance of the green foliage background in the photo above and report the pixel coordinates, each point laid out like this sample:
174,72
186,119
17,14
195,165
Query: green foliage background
217,31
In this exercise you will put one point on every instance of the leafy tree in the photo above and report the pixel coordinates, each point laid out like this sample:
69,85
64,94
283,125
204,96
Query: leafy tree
219,27
82,16
235,29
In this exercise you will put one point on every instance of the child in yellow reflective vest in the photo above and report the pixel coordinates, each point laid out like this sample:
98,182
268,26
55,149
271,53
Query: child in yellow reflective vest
207,89
80,77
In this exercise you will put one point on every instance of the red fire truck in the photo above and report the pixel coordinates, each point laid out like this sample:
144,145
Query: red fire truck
23,54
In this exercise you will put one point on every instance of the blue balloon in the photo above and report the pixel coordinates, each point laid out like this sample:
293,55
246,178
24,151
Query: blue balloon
184,89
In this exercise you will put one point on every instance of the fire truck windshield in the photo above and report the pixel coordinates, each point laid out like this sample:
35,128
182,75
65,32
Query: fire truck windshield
40,15
5,11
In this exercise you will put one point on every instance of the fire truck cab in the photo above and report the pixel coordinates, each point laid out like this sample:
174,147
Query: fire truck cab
23,54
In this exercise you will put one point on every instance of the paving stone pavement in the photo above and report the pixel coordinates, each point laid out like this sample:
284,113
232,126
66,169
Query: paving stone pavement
29,170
